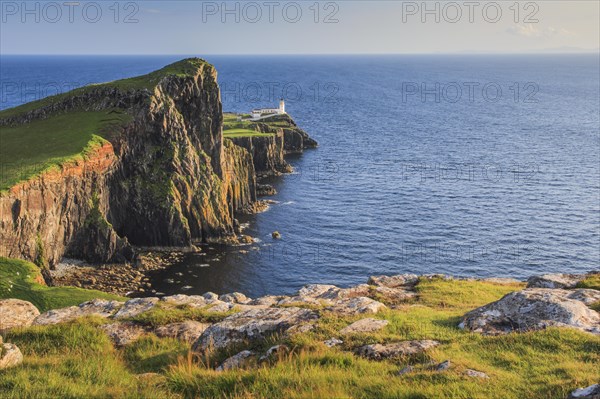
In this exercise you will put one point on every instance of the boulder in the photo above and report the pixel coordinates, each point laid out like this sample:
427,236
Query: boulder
123,333
358,305
265,301
400,280
234,297
96,307
195,301
555,280
274,351
325,294
591,392
10,356
220,307
476,374
210,296
585,295
135,307
188,330
395,350
394,295
364,326
16,313
443,366
533,309
252,325
331,342
236,361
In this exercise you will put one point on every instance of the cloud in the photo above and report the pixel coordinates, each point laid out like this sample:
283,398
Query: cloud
533,31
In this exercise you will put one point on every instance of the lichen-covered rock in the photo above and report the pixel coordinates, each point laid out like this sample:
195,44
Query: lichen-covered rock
253,325
591,392
220,307
265,301
476,374
272,352
533,309
96,307
400,280
364,326
443,366
135,307
10,356
236,361
585,295
195,301
100,307
234,297
394,295
358,305
188,330
123,333
331,342
210,296
558,280
395,350
16,313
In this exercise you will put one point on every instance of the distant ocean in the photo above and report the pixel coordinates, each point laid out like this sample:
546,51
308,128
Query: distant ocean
467,165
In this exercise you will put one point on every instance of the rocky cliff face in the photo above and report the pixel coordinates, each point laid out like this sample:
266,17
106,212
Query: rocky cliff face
40,218
295,140
163,177
267,152
159,181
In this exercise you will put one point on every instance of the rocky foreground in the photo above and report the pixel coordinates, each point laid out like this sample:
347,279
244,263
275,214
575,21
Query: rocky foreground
239,322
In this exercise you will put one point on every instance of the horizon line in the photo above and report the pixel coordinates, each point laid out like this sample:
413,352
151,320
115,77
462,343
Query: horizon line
532,52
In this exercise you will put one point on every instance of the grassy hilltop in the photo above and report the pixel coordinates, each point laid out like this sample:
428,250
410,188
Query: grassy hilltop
29,149
77,359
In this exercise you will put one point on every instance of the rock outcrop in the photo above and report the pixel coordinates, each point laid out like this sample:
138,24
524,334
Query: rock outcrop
267,152
236,361
10,355
396,350
591,392
559,280
534,309
364,326
188,331
252,325
96,307
16,313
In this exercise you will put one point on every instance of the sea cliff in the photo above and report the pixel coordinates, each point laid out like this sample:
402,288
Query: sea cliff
156,172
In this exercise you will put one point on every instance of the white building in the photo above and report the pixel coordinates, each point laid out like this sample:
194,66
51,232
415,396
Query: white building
260,113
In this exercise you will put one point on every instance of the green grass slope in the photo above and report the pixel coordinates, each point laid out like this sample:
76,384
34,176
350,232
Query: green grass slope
32,148
18,279
232,127
183,68
76,360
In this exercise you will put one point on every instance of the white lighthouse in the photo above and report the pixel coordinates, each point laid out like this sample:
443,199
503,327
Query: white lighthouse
262,113
281,106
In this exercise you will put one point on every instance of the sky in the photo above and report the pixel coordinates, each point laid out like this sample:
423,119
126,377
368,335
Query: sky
298,27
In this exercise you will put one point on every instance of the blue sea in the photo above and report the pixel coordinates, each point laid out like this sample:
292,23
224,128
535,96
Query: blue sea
470,165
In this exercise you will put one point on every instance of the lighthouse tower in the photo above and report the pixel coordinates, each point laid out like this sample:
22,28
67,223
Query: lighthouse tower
281,106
